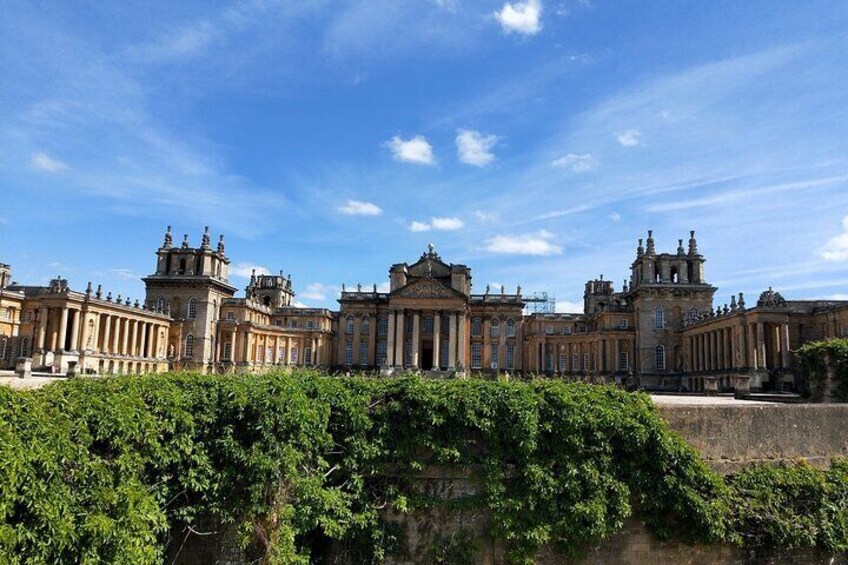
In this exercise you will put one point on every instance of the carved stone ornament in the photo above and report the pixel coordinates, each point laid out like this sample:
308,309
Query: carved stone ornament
771,299
426,288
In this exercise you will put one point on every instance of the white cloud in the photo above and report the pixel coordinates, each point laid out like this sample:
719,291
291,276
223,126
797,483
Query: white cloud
443,224
537,243
124,274
419,226
485,216
360,208
415,150
569,307
836,248
579,163
615,216
44,162
474,148
244,270
318,291
447,224
521,17
629,138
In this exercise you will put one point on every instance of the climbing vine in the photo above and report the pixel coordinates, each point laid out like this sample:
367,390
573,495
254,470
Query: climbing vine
305,467
815,358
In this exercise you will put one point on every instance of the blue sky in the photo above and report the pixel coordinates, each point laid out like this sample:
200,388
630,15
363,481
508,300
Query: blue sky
534,141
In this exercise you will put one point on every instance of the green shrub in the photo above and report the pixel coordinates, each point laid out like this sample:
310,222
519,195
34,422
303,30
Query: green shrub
813,359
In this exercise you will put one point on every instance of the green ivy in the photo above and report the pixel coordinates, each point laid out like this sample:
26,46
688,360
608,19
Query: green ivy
119,470
814,358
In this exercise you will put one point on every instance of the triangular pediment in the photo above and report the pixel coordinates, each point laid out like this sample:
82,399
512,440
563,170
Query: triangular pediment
426,288
429,267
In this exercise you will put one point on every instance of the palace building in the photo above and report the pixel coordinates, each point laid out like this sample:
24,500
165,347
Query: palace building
661,330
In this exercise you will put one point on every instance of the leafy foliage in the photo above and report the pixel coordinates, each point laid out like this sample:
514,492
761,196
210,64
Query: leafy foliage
109,470
813,359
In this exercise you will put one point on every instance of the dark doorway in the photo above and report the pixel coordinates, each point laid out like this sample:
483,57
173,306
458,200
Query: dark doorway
427,356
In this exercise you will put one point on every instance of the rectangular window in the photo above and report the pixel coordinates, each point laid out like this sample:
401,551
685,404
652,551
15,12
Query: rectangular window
428,324
584,329
549,362
269,355
348,355
281,355
510,328
586,365
310,325
260,353
566,330
443,353
231,315
383,325
510,356
575,363
659,319
660,358
476,326
549,329
381,353
307,355
294,354
495,329
363,353
563,363
622,324
294,323
623,364
28,316
493,362
476,356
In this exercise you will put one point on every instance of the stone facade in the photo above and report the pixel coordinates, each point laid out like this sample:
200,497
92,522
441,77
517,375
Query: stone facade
659,331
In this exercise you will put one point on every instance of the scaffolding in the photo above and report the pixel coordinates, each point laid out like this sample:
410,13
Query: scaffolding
540,303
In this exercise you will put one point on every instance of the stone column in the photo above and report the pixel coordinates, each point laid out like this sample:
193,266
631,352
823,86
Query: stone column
287,360
416,336
437,336
125,342
116,335
452,341
784,346
63,329
134,338
75,329
314,352
401,337
752,347
107,334
42,327
148,340
761,346
461,341
390,341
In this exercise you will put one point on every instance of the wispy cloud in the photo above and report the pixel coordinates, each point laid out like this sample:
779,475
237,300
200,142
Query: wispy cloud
318,291
414,150
836,248
416,226
521,17
629,138
579,163
360,208
46,163
244,270
538,243
474,148
441,224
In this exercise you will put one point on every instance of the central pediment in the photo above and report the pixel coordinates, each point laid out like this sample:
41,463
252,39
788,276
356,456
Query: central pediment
426,288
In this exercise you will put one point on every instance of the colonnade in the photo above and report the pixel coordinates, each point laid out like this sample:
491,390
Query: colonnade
757,345
396,340
255,349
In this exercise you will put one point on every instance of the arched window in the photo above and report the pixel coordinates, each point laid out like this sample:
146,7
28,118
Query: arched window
659,321
510,328
476,326
660,358
192,308
365,326
494,328
349,325
189,346
160,304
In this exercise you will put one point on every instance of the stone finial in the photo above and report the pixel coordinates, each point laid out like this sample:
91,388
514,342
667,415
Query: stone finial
343,287
487,289
640,250
205,240
725,310
109,297
693,243
221,244
375,288
741,300
135,304
651,250
502,290
252,276
99,294
185,241
119,299
359,287
518,290
88,290
733,305
680,250
169,239
624,286
127,301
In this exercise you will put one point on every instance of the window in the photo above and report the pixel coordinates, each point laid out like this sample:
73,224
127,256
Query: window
28,316
349,325
381,353
443,353
293,323
161,304
510,328
549,362
623,364
228,351
382,325
307,355
567,330
260,350
294,354
510,356
278,322
660,358
549,329
189,345
310,325
586,364
659,319
192,309
575,363
476,326
364,325
269,354
348,356
182,266
281,355
231,315
407,324
428,324
476,356
622,324
7,313
363,353
3,345
493,362
494,328
563,362
25,347
584,329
